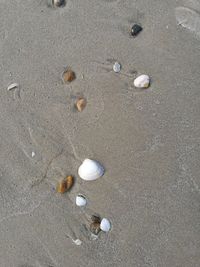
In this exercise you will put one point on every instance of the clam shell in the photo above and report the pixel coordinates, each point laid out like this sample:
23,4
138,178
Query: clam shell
68,76
116,67
81,201
12,86
105,225
142,81
65,184
95,228
81,104
90,170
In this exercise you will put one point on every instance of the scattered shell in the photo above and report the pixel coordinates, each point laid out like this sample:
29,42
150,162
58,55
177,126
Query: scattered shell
81,104
105,225
12,86
135,29
117,67
56,3
142,81
68,76
81,201
33,154
95,228
78,242
64,185
90,170
95,218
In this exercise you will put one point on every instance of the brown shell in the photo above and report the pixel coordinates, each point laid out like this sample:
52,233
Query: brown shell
81,104
65,184
95,228
96,219
68,76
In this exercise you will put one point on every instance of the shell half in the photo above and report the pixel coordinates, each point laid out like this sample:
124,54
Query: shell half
90,170
142,81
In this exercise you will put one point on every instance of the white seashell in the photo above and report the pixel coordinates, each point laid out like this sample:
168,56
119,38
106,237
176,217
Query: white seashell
116,67
12,86
90,170
142,81
81,201
78,242
105,225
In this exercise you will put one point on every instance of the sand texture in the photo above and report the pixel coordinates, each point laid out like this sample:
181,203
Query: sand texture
148,140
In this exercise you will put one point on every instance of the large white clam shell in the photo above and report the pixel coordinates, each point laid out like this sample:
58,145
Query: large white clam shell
142,81
90,170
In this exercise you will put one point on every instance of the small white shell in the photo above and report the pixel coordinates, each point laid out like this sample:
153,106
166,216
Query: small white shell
116,67
81,201
78,242
142,81
90,170
12,86
105,225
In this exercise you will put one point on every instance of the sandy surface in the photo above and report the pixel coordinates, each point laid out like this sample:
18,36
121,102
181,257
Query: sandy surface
148,140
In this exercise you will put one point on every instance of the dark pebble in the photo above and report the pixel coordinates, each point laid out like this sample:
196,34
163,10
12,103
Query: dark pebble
136,29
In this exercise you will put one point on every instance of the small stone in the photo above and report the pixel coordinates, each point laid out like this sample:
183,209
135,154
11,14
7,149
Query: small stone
95,228
65,184
116,67
68,76
136,29
105,225
81,104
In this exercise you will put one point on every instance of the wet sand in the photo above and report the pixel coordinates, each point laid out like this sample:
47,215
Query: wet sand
147,140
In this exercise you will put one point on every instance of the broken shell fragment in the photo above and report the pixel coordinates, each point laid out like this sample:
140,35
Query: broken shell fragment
142,81
12,86
136,29
90,170
116,67
81,104
95,228
81,201
68,76
105,225
65,184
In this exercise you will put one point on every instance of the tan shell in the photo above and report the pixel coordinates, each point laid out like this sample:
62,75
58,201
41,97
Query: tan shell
81,104
95,228
65,184
68,76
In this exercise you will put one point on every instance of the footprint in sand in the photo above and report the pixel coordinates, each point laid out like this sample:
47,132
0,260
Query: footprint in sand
188,16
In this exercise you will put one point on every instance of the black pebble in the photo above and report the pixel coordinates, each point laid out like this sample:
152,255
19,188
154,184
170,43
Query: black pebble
136,29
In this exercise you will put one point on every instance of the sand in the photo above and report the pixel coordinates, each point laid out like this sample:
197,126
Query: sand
147,140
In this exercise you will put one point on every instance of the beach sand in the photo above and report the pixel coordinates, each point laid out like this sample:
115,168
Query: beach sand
147,140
